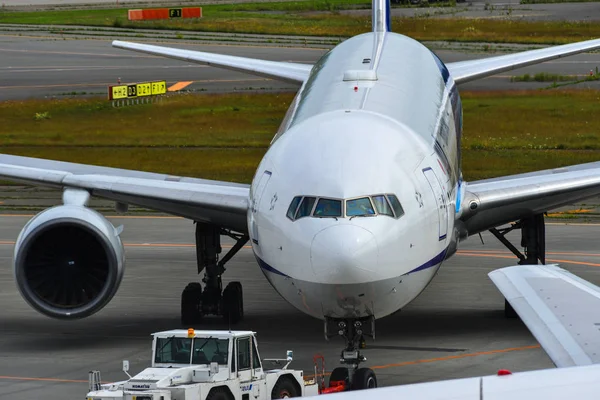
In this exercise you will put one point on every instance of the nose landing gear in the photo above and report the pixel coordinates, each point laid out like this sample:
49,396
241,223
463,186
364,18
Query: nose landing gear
351,377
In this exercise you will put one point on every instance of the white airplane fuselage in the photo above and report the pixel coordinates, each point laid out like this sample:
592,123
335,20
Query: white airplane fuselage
378,115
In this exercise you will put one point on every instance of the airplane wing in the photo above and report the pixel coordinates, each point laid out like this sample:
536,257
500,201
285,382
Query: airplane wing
465,71
283,71
222,203
560,309
488,203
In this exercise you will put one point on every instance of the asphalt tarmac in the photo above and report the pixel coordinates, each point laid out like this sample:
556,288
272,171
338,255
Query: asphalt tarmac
37,64
456,328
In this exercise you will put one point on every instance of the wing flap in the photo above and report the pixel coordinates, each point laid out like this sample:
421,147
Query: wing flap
222,203
561,310
284,71
466,71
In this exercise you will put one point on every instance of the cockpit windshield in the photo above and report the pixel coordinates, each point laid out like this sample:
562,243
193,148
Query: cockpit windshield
177,350
382,206
328,208
323,207
359,207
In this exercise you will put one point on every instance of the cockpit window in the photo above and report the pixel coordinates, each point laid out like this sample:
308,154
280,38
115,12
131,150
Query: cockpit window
382,206
293,207
328,208
398,210
360,206
305,207
322,207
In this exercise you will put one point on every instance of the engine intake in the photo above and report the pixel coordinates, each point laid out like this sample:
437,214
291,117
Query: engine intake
68,262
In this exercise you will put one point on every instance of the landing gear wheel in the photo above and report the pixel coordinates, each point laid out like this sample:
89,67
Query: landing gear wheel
509,311
364,378
233,303
284,388
190,304
339,374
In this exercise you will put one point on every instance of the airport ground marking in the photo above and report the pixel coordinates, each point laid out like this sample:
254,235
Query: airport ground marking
58,380
568,253
457,356
446,358
105,84
513,257
179,86
386,366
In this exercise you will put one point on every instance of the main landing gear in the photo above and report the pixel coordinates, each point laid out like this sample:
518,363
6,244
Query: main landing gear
351,377
195,302
533,240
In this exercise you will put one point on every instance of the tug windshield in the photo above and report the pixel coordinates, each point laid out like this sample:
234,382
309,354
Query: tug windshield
173,350
177,350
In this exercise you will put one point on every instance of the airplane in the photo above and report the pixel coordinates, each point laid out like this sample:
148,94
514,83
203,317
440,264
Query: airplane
355,206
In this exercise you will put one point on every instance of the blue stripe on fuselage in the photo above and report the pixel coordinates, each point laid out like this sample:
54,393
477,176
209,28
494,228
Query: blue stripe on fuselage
267,267
431,263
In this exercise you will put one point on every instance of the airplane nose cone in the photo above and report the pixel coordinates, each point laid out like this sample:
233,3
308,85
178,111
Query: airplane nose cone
347,253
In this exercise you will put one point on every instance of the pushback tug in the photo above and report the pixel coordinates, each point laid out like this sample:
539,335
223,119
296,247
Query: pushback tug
210,365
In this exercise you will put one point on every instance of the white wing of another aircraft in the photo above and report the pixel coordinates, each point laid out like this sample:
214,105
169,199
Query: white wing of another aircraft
560,309
564,383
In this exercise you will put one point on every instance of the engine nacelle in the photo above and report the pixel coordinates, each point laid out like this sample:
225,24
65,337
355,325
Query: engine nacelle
68,262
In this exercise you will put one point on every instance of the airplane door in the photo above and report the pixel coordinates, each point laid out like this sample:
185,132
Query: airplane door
260,188
256,198
441,201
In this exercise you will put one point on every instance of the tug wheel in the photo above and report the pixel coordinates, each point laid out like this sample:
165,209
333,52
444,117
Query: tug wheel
219,394
364,378
284,389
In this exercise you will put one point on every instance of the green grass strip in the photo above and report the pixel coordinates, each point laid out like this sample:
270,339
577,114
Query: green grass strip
225,136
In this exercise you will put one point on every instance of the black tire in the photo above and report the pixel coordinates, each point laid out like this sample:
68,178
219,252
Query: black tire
339,374
284,388
190,304
509,311
219,394
364,378
233,303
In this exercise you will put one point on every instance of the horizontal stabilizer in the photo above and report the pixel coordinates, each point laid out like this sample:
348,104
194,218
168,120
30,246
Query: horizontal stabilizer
561,310
465,71
283,71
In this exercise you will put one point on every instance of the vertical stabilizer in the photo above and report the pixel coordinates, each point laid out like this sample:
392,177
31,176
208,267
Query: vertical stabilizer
382,17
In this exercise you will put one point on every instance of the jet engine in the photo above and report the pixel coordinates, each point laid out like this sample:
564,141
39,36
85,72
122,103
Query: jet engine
68,261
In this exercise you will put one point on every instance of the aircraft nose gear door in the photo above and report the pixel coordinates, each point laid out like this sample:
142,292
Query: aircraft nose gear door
441,201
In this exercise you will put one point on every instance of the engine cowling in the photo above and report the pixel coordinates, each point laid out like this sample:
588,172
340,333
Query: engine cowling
68,262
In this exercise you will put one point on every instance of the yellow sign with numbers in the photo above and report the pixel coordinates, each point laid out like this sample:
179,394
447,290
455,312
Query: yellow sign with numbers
118,92
136,90
144,89
159,88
